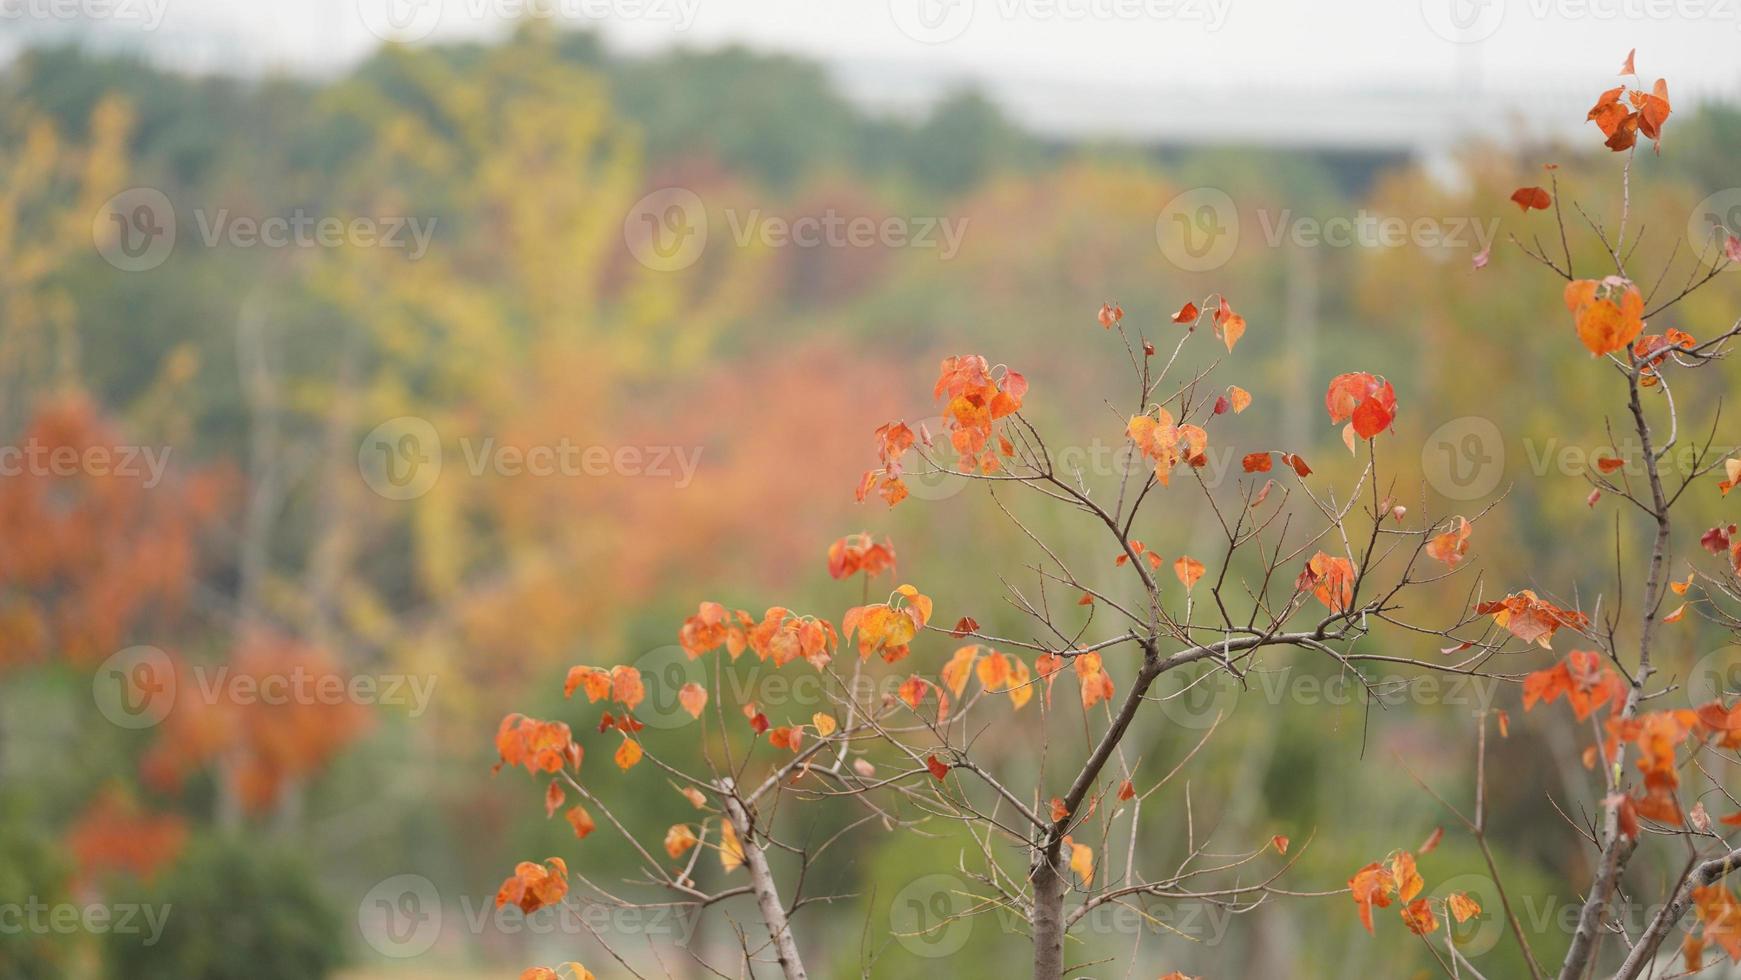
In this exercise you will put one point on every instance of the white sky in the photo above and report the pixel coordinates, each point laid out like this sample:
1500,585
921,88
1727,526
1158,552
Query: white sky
1152,47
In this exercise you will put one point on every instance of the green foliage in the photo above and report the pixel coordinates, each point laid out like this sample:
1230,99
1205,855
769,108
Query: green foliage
30,869
233,910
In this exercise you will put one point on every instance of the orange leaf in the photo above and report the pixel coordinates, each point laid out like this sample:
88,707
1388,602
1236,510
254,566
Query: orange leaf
938,769
1126,791
1256,462
1280,843
1462,907
628,754
679,839
1418,916
1189,570
580,820
693,697
1432,841
1531,197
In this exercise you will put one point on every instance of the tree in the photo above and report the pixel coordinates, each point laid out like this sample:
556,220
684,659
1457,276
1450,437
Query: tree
1298,565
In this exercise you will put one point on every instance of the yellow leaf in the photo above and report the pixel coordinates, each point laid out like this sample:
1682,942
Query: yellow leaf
1082,861
731,850
824,722
628,754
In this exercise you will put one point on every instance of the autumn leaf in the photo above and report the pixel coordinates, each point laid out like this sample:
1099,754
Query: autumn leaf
1110,315
553,799
1081,861
1256,462
1330,579
1371,886
1126,791
1605,326
1280,843
693,697
825,724
1187,314
787,737
628,754
1408,880
580,820
1239,397
1366,401
1059,810
964,626
1432,841
1531,619
938,769
1531,197
1189,570
1229,326
596,682
679,839
955,673
1418,916
859,552
575,972
533,886
1096,684
1462,907
1451,546
731,849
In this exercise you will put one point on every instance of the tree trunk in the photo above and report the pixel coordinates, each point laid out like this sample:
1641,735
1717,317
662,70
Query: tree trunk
767,895
1047,921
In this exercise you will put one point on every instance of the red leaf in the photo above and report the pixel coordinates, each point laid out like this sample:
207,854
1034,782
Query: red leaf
1531,197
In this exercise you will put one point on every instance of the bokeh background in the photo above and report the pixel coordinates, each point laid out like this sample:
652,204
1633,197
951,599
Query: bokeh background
364,366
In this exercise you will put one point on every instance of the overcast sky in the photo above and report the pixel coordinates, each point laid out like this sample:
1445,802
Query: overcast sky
1152,46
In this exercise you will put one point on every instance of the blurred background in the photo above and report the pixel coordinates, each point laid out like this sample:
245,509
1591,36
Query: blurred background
365,365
